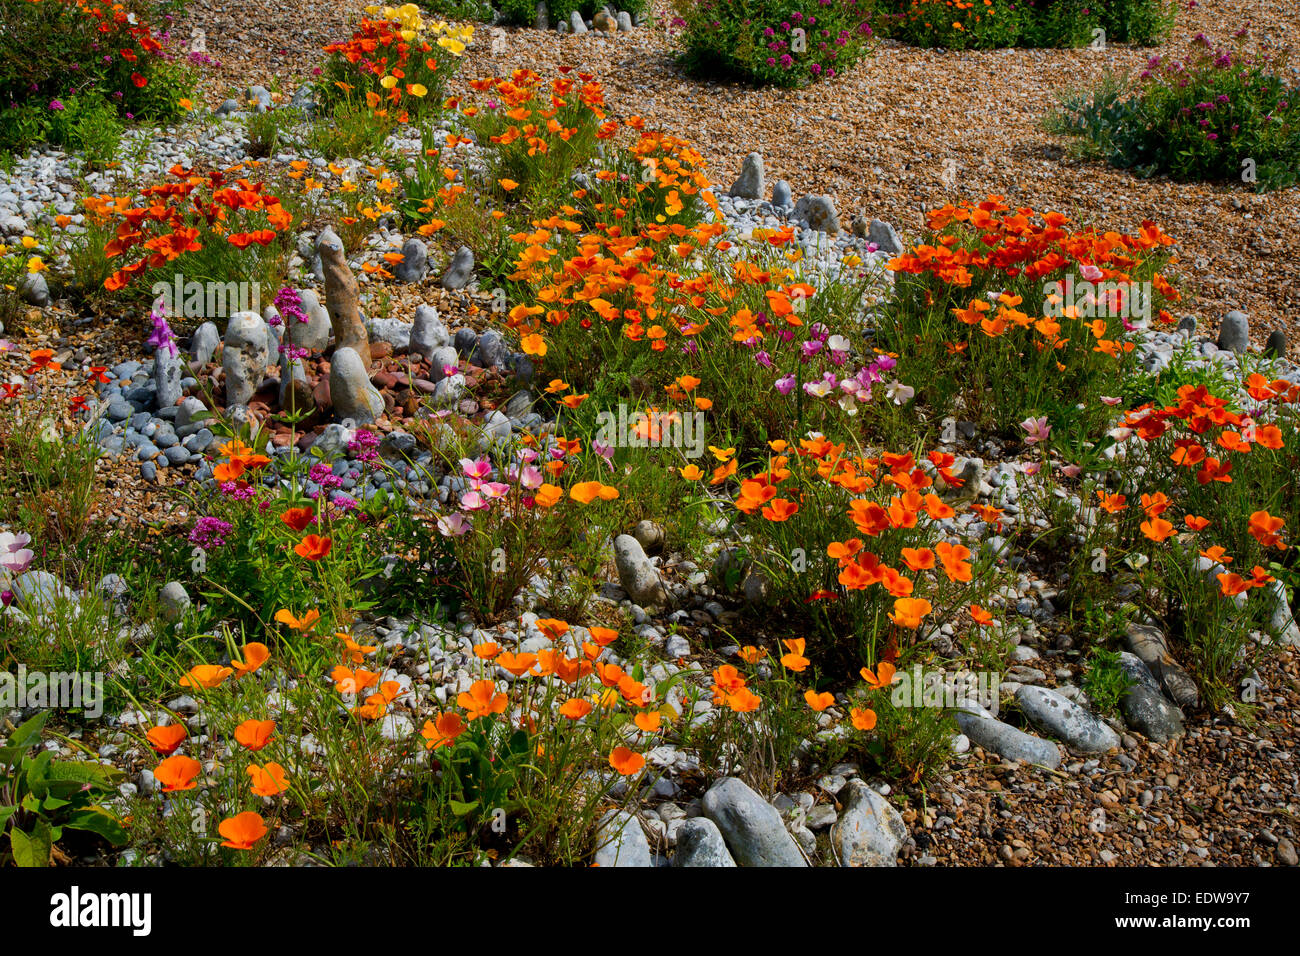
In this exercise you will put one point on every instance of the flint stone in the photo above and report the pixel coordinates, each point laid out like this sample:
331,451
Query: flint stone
750,825
244,356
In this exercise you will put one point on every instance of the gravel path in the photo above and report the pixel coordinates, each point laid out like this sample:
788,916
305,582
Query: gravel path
879,138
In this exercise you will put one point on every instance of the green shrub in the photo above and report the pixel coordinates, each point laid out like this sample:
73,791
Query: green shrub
1220,115
1025,23
772,42
54,73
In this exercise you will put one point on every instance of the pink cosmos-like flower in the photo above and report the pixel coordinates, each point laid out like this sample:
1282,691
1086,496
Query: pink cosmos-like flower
15,556
1071,471
453,526
473,501
1090,272
1036,430
481,468
531,477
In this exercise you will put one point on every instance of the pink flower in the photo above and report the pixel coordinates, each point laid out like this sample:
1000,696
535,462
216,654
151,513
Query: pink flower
15,556
473,501
481,468
1071,471
1090,272
530,477
453,526
1111,399
1036,430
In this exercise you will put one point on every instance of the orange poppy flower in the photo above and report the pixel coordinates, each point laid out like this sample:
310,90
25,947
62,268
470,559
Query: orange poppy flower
442,731
268,781
795,660
1196,522
165,740
553,628
1158,529
625,761
1264,528
304,623
207,676
517,664
979,615
487,650
255,655
909,611
299,518
575,708
883,676
482,700
177,773
648,720
313,547
604,636
242,831
863,718
818,702
254,734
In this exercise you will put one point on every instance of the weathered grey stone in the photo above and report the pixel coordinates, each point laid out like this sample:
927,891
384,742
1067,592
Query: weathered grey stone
204,342
1006,741
491,351
624,20
638,577
750,825
173,602
460,271
1234,332
34,289
415,261
391,330
1149,644
296,393
542,18
313,334
576,23
1275,347
751,183
781,194
621,842
167,377
885,237
869,831
649,535
244,356
1065,720
350,389
1147,711
700,843
819,213
427,332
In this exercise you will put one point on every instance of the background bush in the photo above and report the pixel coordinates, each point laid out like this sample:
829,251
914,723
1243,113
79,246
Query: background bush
757,40
60,62
1201,119
1026,23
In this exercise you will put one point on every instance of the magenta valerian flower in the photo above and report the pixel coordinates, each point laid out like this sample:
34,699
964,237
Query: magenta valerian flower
210,533
289,304
1036,430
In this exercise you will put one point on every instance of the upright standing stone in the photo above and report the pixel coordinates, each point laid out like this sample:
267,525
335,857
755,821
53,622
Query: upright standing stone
342,298
350,389
461,269
1275,347
314,334
885,237
167,377
542,19
1234,332
415,261
427,332
244,357
750,184
819,212
204,342
576,23
781,195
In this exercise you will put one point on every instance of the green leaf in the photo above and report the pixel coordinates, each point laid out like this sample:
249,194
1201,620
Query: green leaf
28,733
32,850
98,820
461,809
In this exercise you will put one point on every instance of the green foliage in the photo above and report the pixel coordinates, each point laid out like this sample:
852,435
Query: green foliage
1024,23
1220,115
772,42
1106,681
41,797
57,82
